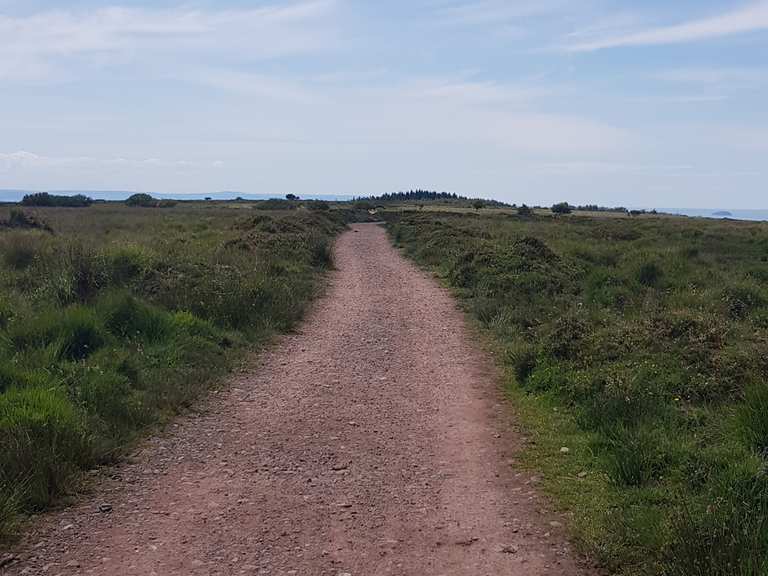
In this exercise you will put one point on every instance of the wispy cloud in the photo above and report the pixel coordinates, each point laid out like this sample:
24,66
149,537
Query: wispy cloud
477,92
679,99
252,84
750,18
23,159
120,32
708,76
589,167
497,12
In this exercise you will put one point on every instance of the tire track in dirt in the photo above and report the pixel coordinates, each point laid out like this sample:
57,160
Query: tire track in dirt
374,441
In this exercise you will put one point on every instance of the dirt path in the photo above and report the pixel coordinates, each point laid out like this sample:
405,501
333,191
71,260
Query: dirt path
372,442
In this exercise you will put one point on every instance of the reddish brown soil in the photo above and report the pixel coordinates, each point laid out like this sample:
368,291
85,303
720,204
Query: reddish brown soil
373,441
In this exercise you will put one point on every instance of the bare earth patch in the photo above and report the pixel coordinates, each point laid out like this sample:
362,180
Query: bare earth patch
373,441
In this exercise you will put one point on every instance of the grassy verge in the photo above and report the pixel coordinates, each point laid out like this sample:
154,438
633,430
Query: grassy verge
641,347
112,319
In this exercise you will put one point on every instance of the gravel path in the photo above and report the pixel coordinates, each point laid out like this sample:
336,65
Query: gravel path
373,441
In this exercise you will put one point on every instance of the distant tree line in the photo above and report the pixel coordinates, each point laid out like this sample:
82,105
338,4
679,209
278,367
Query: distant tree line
427,196
565,208
44,199
596,208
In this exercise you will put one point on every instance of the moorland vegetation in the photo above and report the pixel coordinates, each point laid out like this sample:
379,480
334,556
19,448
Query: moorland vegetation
114,321
636,351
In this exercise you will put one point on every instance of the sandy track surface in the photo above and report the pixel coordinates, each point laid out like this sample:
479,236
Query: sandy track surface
373,441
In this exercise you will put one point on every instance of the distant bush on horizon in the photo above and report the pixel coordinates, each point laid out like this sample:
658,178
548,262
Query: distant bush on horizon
45,199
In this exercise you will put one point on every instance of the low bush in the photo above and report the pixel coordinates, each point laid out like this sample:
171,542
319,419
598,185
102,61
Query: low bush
42,443
45,199
141,201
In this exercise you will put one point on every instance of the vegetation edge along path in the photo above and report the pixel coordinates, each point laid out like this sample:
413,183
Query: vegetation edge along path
635,355
112,324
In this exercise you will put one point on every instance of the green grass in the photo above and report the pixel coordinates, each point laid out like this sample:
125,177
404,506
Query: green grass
117,318
639,344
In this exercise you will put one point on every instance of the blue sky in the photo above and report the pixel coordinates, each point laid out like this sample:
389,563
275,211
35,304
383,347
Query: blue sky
650,103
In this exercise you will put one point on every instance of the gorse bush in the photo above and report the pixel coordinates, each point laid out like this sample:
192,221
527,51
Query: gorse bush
118,322
643,342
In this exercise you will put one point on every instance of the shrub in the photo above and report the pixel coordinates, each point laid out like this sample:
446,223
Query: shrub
752,416
275,204
727,535
128,263
562,208
564,341
188,323
42,442
20,219
141,200
128,318
744,297
6,312
45,199
12,377
521,356
87,272
320,250
634,456
319,205
19,249
10,508
649,274
118,409
75,332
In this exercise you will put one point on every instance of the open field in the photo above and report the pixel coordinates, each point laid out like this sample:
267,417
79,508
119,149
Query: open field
633,351
113,319
641,347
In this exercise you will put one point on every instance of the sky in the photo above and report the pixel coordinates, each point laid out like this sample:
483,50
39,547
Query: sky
614,102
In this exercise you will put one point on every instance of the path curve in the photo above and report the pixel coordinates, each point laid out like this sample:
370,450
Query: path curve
374,441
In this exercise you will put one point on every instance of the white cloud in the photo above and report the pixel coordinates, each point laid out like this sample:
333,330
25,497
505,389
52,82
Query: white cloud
250,84
604,168
477,92
123,33
750,18
496,11
24,160
713,76
426,112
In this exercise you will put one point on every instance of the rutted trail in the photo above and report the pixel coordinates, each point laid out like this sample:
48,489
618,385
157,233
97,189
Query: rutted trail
372,442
